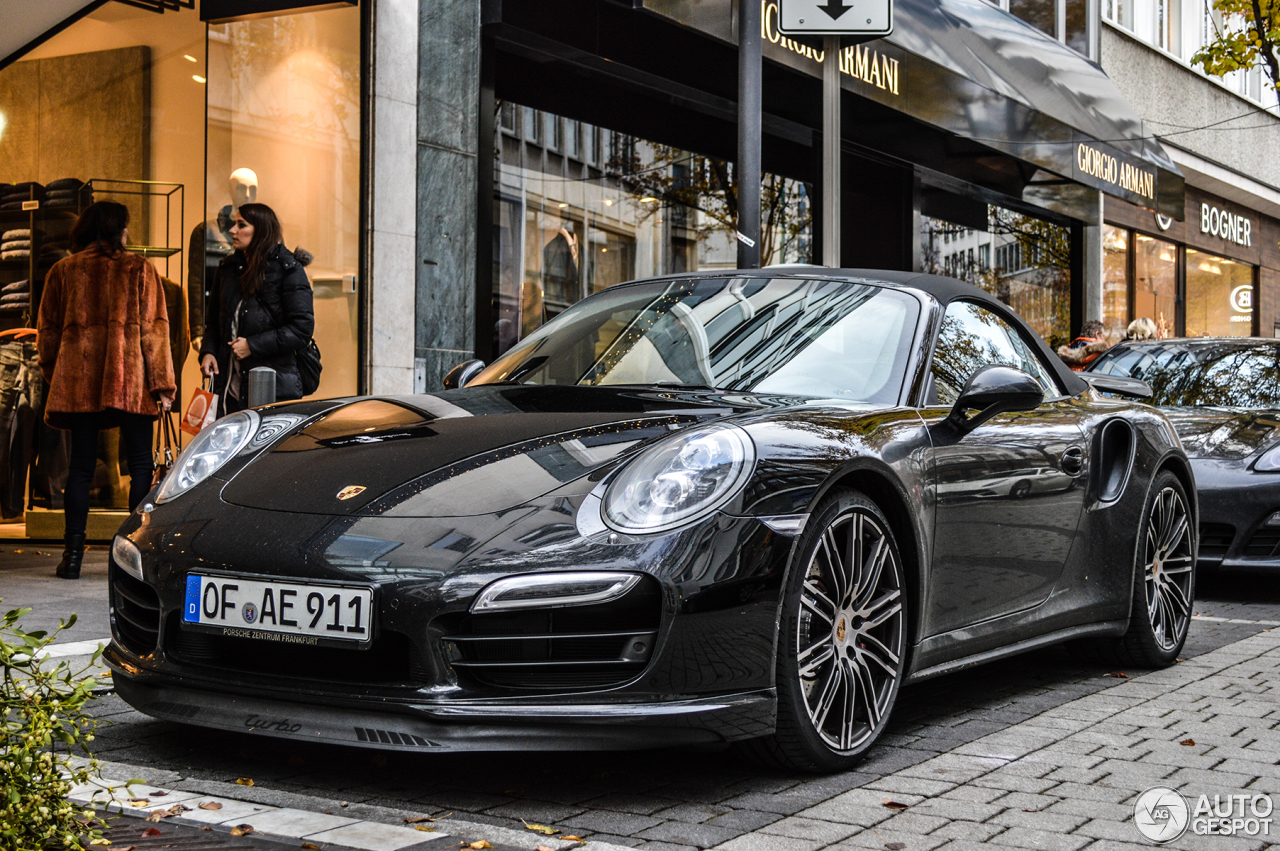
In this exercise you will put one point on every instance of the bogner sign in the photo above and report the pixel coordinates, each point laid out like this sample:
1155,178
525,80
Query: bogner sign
225,11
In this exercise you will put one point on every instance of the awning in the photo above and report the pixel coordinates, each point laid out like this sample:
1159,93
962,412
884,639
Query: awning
27,23
973,70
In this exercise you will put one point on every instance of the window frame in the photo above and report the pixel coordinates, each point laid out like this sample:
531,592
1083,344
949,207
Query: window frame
1006,317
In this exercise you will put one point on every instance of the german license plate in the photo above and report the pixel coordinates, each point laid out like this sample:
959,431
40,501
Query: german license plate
292,612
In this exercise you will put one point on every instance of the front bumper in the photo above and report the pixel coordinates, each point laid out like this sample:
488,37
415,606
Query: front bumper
709,676
1235,504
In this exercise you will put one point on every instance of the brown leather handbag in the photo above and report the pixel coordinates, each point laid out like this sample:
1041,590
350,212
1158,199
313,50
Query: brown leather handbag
167,445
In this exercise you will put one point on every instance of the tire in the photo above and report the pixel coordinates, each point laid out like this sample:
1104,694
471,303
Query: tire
842,636
1021,489
1164,578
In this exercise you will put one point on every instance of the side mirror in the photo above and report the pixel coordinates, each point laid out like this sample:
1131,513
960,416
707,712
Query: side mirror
994,390
462,373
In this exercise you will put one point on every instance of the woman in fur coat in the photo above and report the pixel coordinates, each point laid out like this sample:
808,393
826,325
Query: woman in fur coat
1086,348
260,312
104,350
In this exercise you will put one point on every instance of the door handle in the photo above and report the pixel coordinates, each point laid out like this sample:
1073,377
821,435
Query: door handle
1073,461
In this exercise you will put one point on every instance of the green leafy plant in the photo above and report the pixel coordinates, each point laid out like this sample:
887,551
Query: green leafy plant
45,727
1247,34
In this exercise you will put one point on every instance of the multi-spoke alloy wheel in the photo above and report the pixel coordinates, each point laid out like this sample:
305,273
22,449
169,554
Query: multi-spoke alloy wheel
1164,583
842,640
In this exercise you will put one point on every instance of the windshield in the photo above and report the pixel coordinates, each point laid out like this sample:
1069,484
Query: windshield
1218,375
765,335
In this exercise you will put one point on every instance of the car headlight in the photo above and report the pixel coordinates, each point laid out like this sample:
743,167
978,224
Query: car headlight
1270,461
679,480
214,446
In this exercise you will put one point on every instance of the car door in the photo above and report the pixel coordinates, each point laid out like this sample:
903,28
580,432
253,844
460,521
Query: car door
1008,494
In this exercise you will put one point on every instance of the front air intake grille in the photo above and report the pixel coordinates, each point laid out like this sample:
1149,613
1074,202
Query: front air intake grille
1215,539
135,612
386,661
1263,543
574,647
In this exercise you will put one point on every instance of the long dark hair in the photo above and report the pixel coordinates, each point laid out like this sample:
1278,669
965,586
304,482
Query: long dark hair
266,236
103,224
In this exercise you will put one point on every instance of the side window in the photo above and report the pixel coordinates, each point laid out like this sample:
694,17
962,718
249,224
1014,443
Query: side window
973,337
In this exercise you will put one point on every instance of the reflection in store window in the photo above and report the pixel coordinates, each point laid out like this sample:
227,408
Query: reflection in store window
1155,282
1115,282
1030,271
590,208
1219,296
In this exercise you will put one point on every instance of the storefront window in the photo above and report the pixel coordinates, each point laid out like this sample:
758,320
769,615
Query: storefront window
114,101
1023,261
284,130
1155,282
579,208
1115,281
1219,296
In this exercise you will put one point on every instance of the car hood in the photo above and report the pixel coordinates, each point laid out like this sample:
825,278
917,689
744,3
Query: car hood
1223,433
464,452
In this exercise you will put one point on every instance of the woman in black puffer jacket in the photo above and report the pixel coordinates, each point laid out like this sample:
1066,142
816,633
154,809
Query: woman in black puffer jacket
260,313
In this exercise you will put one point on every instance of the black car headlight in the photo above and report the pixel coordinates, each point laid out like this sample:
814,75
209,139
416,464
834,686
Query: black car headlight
1270,461
679,480
214,446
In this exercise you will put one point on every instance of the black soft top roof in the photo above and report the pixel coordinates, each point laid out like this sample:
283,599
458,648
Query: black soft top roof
942,289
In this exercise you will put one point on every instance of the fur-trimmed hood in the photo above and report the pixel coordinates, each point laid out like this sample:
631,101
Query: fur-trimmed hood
1083,354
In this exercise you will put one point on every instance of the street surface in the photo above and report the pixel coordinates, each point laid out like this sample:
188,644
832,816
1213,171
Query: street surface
1044,751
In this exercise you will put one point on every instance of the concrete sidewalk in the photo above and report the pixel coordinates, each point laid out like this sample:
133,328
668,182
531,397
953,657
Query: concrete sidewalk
1065,779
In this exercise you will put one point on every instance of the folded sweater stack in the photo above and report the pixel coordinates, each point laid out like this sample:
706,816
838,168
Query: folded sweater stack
16,244
15,297
16,194
67,192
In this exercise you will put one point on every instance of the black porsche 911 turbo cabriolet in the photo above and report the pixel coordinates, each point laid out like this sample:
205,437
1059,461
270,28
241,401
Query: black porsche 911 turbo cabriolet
731,506
1222,394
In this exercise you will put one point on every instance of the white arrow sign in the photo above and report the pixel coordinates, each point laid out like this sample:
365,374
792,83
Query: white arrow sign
835,17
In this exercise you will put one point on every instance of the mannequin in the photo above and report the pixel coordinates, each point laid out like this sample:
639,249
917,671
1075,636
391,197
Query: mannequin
210,242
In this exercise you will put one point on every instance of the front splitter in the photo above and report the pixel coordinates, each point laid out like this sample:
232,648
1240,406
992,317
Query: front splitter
426,728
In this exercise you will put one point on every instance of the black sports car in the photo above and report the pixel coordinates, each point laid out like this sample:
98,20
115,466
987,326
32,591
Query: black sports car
1223,396
734,506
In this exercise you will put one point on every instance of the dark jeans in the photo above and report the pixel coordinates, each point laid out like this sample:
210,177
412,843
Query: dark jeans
135,437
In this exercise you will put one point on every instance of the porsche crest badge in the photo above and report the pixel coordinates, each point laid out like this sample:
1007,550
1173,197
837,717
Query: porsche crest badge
350,491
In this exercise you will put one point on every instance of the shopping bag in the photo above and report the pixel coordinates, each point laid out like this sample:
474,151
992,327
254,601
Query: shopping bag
201,410
167,446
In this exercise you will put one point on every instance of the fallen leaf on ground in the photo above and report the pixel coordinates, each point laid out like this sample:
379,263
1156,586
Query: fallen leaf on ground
151,831
1179,660
569,837
99,841
895,805
424,828
19,551
895,846
242,830
1187,742
310,847
157,794
1118,674
478,844
211,805
178,809
156,815
139,802
205,827
540,828
244,781
1029,810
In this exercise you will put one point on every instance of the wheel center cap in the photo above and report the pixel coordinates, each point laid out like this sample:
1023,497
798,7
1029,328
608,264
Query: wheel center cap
840,630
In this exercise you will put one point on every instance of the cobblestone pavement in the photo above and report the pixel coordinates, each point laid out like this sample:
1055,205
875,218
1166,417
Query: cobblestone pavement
1041,751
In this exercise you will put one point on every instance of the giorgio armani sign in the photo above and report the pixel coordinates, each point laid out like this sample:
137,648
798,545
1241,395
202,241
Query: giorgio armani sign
225,11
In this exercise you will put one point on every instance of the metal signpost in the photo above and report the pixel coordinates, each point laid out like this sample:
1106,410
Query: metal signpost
841,23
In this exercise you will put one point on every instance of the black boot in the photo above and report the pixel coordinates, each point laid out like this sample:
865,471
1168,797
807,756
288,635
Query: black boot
72,556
